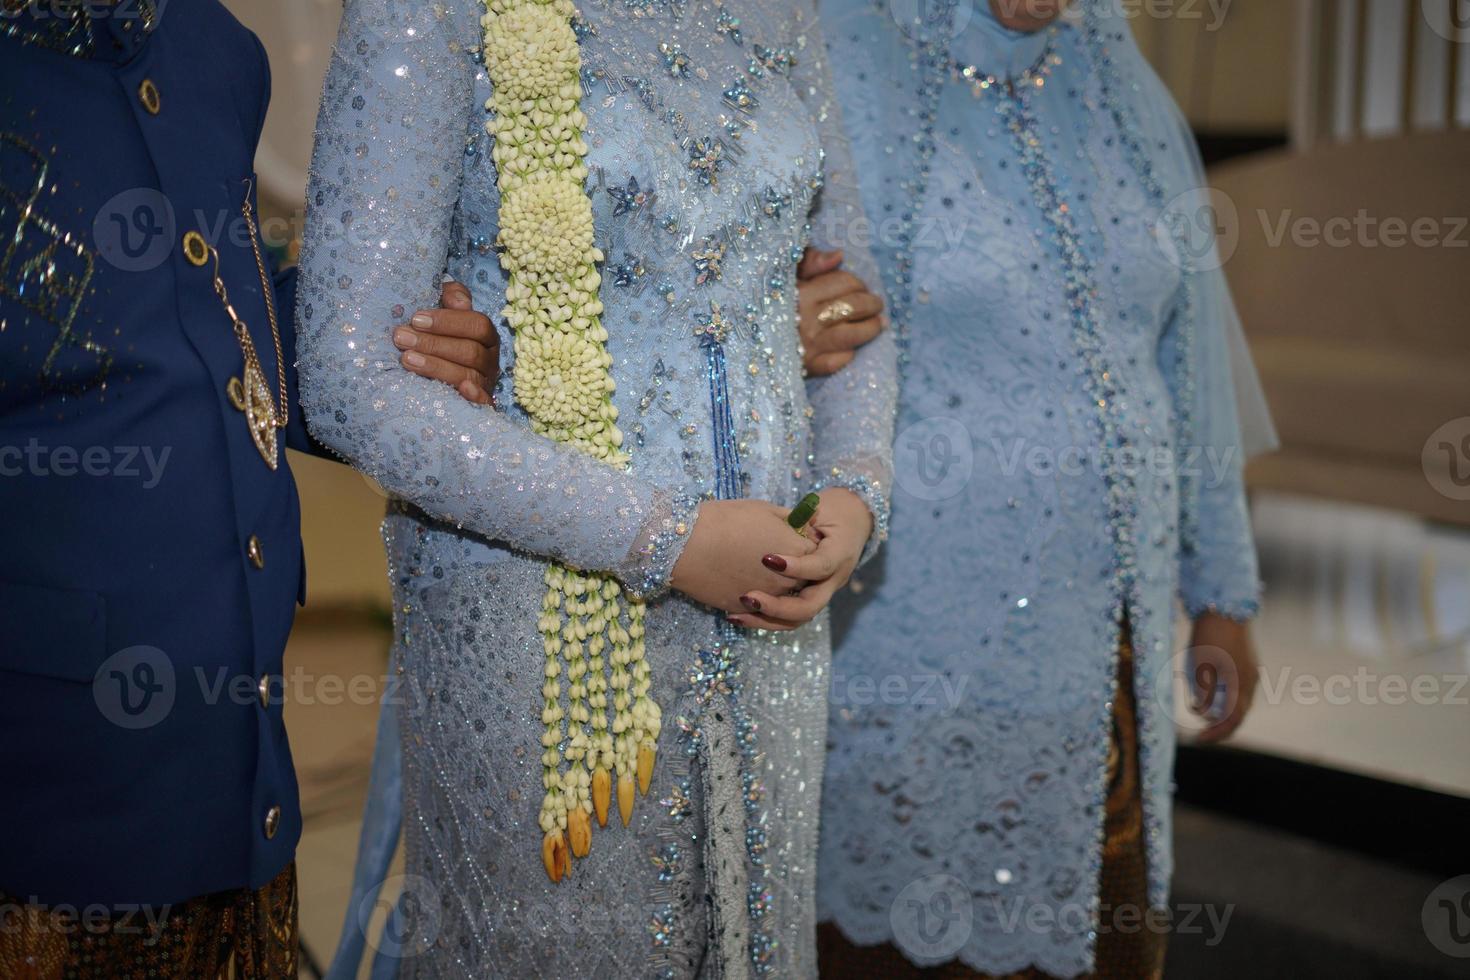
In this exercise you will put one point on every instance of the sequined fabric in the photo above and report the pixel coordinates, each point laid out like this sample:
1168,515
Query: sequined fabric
60,27
1067,448
1131,949
241,934
715,156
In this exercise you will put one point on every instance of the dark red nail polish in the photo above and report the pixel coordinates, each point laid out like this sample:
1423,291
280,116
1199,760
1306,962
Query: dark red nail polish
774,562
750,603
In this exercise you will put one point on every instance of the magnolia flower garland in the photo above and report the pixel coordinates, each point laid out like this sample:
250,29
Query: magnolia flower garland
590,630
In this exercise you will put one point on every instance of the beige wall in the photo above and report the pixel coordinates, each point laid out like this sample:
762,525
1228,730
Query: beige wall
340,514
1230,72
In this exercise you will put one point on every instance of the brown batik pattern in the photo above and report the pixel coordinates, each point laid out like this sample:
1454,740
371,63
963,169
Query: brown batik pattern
240,934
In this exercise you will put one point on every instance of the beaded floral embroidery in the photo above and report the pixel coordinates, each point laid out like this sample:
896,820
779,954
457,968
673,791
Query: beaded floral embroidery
564,383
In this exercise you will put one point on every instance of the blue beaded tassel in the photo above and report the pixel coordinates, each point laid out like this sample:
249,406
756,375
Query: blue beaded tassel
713,329
742,952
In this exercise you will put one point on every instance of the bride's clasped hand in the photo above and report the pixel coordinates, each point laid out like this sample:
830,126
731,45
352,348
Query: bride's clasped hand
744,559
841,528
722,560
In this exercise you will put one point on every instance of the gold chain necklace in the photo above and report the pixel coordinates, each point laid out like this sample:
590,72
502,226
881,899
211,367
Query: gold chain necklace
251,395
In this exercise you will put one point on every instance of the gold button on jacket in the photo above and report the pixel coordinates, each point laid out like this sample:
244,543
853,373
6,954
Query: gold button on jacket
255,552
196,249
148,95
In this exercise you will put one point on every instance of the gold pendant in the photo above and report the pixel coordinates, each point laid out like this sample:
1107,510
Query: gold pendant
254,399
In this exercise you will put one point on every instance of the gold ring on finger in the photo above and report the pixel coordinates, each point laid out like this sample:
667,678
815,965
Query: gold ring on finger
832,312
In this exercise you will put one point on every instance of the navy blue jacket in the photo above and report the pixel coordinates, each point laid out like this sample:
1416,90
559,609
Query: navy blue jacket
151,561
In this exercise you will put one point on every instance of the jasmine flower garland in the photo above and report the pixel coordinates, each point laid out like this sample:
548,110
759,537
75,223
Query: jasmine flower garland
564,383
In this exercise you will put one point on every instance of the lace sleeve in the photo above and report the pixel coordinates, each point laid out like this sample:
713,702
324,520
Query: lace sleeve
854,408
1217,571
385,179
1217,562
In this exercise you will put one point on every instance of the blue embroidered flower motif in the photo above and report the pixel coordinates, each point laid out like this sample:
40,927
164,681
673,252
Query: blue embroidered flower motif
582,27
678,802
627,272
775,201
778,60
729,25
739,96
667,862
710,675
706,159
675,60
629,198
712,328
661,928
707,256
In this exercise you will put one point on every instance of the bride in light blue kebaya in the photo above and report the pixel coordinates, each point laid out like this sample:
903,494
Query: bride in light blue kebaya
1068,465
711,143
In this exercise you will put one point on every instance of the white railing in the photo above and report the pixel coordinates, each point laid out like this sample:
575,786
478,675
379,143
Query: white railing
1373,68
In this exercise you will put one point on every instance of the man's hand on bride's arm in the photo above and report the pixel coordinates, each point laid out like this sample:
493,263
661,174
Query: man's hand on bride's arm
837,312
453,344
722,560
840,527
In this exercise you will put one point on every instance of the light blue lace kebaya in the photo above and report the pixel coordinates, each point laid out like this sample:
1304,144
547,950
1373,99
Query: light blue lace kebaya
1068,460
713,144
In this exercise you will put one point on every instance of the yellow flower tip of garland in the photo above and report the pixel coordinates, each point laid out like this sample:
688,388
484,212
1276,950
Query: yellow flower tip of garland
564,384
601,794
579,830
555,857
645,765
625,797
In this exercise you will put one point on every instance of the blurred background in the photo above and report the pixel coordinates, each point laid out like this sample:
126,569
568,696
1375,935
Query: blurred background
1337,825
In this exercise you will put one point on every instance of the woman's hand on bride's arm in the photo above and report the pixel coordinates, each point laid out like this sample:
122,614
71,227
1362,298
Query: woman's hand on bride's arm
841,527
453,344
838,313
722,560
